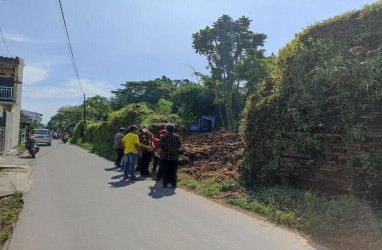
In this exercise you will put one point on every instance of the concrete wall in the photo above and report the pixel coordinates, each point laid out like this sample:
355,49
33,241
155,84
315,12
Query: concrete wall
9,132
13,67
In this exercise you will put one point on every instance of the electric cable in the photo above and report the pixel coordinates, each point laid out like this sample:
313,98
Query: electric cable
5,44
70,48
69,44
79,102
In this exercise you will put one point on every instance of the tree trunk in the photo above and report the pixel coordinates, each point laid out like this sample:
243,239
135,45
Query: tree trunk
221,115
229,111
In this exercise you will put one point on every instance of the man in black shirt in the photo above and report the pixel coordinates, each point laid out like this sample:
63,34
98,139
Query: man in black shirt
169,153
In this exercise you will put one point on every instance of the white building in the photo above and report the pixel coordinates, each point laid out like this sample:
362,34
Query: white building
11,77
36,118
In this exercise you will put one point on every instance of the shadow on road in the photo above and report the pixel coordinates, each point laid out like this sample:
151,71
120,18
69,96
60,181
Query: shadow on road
25,157
121,183
120,170
117,176
157,191
110,169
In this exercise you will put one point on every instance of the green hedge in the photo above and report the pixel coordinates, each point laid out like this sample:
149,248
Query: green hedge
99,136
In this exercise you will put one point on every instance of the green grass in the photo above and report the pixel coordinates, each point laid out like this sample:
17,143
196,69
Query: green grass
103,149
190,183
208,186
210,190
9,211
341,221
21,147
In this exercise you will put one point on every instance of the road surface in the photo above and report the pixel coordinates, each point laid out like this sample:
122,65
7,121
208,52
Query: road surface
76,201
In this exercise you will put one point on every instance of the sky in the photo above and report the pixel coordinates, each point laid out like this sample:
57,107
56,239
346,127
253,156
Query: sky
132,40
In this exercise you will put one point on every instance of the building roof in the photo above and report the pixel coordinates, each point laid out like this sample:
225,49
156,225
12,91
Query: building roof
26,112
9,60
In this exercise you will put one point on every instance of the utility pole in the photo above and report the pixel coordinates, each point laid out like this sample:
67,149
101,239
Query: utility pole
84,116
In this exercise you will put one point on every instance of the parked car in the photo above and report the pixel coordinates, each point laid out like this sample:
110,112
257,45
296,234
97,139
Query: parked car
42,136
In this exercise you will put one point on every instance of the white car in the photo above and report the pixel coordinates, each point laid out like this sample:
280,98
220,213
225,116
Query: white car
42,136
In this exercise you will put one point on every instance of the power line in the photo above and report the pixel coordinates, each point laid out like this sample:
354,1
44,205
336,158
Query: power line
79,102
70,48
73,62
5,44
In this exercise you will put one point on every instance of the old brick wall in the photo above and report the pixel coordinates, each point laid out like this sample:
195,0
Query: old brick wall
336,153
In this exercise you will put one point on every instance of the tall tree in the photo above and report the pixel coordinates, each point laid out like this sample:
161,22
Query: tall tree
65,116
226,44
193,100
97,108
254,70
142,91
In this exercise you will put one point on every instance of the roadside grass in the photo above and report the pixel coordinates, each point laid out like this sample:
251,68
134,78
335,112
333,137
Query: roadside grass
100,148
338,221
10,208
21,147
209,187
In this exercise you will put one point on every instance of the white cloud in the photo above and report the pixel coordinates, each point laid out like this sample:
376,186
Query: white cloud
35,74
46,99
69,89
15,37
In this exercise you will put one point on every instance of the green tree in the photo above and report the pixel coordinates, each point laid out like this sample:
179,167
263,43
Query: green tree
66,115
192,101
142,91
226,45
164,107
97,108
253,71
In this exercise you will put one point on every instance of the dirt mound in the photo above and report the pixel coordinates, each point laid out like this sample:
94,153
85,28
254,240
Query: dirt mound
212,154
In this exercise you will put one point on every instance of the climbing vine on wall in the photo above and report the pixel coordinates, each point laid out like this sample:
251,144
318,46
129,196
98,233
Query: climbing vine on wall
320,109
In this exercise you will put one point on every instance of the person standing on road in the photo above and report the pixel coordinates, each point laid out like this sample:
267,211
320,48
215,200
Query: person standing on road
118,147
131,143
157,163
169,154
145,138
132,148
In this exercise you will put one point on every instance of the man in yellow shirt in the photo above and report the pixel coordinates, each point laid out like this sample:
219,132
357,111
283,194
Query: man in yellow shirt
131,143
132,148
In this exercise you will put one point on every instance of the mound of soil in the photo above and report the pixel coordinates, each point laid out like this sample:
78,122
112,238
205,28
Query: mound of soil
212,154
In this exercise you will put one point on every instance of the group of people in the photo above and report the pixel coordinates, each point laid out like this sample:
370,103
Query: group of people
137,147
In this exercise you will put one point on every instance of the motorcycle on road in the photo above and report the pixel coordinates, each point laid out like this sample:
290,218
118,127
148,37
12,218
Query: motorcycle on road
65,138
32,147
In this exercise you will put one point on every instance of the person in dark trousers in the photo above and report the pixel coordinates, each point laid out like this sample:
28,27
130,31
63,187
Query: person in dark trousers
157,163
169,154
118,147
145,138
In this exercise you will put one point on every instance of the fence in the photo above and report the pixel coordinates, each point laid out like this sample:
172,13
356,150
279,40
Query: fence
6,93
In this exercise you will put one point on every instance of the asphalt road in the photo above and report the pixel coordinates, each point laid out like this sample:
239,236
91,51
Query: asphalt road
77,202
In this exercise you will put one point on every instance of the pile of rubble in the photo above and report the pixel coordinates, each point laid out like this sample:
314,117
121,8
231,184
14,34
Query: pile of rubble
212,154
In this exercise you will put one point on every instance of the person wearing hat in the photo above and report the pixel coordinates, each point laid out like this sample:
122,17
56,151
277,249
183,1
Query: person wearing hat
169,146
156,152
118,147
